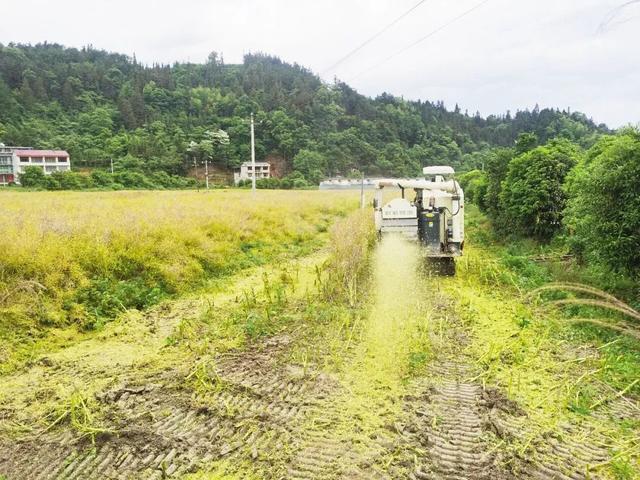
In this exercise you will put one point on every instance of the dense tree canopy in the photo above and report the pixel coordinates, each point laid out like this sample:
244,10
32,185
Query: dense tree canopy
604,209
532,198
100,105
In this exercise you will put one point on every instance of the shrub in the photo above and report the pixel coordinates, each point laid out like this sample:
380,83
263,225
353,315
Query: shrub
101,178
32,177
532,198
297,180
293,180
133,180
474,184
105,298
70,181
310,164
603,215
268,183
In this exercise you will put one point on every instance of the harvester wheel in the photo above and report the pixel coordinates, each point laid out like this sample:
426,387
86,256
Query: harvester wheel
441,266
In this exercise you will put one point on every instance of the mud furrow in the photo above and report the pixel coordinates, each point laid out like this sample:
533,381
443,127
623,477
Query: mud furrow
450,427
568,453
163,432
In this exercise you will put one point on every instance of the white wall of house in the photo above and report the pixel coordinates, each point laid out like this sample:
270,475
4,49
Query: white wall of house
263,170
50,162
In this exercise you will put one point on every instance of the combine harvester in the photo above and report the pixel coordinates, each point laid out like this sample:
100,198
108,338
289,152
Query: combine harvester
435,217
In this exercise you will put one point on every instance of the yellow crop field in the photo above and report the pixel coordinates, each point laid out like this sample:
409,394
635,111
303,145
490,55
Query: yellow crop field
74,257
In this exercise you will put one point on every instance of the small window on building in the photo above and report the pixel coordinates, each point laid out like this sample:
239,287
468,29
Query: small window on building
63,159
24,159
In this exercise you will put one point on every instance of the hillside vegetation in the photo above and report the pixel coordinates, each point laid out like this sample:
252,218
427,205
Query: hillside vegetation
100,105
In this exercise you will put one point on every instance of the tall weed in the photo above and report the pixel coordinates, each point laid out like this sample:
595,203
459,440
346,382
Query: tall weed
343,277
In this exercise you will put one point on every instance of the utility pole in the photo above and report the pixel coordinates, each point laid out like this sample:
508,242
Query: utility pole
111,160
195,165
206,172
362,193
253,157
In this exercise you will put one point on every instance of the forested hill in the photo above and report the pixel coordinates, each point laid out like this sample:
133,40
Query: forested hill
100,105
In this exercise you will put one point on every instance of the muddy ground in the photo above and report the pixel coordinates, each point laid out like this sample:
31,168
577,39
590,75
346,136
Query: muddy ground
270,416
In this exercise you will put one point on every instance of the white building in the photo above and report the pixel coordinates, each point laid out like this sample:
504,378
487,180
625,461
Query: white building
9,164
7,175
263,170
49,160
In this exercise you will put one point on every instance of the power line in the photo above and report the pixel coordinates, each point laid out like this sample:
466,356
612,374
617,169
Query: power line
611,16
371,39
422,39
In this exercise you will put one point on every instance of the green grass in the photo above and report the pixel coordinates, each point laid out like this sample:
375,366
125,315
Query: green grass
555,369
79,410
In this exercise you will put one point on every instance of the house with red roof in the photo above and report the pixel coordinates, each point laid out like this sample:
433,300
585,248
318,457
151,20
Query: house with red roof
13,161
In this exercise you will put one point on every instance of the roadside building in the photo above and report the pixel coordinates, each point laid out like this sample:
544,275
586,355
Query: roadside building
245,172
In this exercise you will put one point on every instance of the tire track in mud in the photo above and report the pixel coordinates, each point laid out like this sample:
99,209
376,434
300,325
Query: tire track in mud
325,454
462,425
470,431
161,429
443,435
572,451
452,428
163,432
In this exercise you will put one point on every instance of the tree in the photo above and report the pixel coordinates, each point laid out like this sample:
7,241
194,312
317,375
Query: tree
70,180
101,178
496,168
532,196
32,177
8,104
205,149
26,94
311,165
525,142
217,137
603,214
70,87
474,185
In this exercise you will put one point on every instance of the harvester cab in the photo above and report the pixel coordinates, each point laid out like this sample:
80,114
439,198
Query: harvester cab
434,217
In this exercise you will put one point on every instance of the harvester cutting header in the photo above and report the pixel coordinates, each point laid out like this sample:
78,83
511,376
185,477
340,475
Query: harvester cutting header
435,217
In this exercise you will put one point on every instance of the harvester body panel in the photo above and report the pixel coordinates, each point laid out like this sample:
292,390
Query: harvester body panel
435,216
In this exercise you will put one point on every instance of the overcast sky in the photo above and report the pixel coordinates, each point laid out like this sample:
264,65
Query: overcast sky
505,55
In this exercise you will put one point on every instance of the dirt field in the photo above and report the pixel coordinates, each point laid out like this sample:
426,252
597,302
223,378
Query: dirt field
393,391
